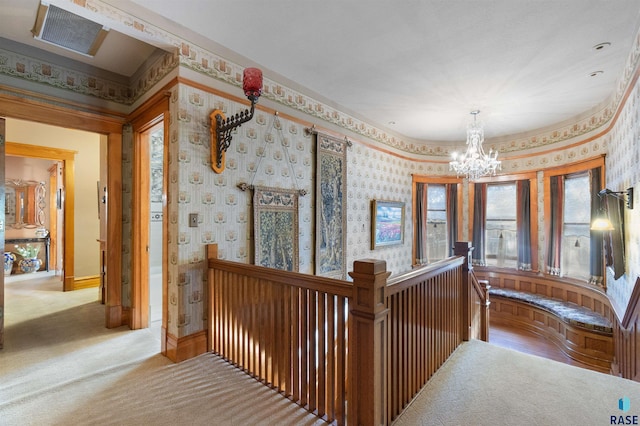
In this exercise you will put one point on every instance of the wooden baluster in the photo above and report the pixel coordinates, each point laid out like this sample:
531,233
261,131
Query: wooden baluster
464,248
367,344
322,355
295,343
305,335
313,348
212,253
331,358
341,361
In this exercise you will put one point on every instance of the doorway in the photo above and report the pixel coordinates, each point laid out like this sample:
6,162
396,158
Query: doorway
58,165
109,128
156,224
149,240
67,160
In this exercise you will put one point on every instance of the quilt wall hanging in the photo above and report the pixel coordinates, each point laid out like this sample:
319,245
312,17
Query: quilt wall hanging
331,209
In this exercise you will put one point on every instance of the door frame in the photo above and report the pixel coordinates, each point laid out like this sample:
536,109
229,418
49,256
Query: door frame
67,157
53,215
152,113
2,224
32,106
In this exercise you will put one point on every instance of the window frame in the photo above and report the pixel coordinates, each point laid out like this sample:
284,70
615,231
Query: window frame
532,177
514,184
419,179
583,174
568,170
431,225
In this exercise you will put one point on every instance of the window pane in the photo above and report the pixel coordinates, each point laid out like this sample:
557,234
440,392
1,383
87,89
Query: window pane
576,244
436,223
501,230
501,201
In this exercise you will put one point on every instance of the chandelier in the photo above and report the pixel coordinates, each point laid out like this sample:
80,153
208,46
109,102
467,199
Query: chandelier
475,162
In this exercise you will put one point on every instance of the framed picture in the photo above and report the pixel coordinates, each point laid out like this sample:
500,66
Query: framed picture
387,223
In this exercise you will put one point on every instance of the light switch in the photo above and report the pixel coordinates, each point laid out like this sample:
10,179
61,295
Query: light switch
193,220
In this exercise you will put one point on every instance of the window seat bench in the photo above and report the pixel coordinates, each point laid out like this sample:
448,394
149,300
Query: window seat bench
575,317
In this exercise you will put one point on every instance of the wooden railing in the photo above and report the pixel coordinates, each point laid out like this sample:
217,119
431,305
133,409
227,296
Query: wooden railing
479,308
286,329
627,338
424,327
349,352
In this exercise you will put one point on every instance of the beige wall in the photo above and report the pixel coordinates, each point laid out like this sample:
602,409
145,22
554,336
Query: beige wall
87,173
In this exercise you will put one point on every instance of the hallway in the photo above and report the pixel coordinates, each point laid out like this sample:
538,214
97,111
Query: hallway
60,365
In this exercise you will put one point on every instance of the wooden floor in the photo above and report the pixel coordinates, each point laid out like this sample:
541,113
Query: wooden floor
530,343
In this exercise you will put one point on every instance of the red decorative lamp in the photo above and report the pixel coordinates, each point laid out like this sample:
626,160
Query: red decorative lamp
222,127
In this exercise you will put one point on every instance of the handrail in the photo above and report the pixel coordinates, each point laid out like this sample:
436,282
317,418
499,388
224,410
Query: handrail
632,307
480,291
626,336
295,279
400,282
424,326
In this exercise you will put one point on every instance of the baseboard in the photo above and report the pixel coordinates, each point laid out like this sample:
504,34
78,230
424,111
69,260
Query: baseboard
86,282
183,348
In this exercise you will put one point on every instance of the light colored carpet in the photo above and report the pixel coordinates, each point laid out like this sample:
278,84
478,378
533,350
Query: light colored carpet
482,384
60,366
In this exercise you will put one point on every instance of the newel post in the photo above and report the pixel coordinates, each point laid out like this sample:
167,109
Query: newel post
367,402
464,248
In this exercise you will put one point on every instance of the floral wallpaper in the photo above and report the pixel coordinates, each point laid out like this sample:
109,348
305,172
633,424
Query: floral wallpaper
623,157
267,151
117,89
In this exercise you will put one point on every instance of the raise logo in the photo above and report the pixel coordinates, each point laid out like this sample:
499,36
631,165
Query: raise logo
624,404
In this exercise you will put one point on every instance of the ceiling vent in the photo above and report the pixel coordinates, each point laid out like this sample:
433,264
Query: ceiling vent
68,30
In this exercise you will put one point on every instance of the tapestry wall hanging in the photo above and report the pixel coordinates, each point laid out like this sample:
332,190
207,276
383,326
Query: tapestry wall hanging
331,186
275,213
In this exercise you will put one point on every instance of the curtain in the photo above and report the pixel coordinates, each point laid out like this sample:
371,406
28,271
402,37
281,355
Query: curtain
452,215
421,219
479,224
523,223
596,237
615,240
555,238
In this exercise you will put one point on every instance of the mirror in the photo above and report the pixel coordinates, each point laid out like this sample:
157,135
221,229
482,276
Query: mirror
25,203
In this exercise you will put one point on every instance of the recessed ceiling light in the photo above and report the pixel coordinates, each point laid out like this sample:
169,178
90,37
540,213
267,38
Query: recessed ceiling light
595,73
602,46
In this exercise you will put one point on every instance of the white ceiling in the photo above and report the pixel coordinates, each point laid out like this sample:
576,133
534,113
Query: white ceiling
119,53
420,64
